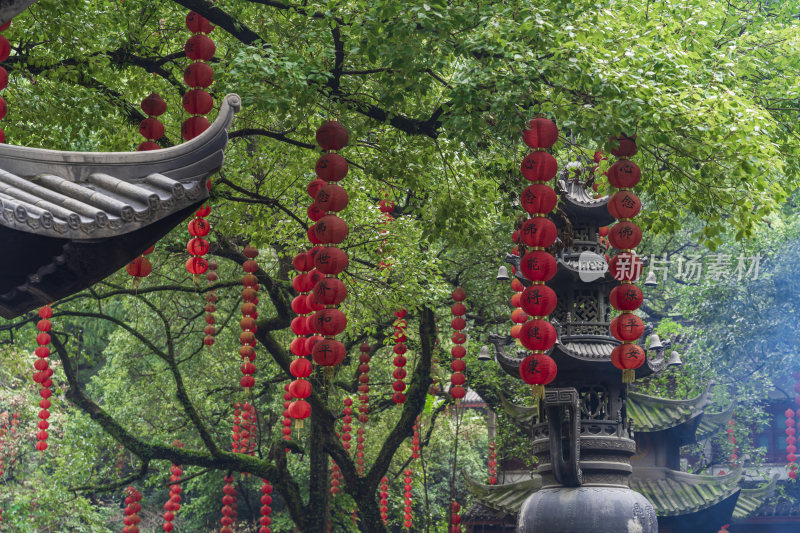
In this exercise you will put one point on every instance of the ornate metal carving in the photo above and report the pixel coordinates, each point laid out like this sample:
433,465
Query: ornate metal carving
563,413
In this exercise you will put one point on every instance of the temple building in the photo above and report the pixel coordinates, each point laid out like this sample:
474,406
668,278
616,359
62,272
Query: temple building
619,442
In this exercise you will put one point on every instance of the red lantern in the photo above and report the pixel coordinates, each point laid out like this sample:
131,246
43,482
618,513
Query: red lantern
538,370
627,327
625,146
303,262
199,227
330,230
332,136
538,232
518,316
538,265
541,133
459,323
539,167
539,300
151,128
458,309
328,352
626,297
300,388
198,75
197,246
197,102
139,267
154,105
199,48
624,204
331,167
331,197
331,260
538,199
194,126
330,321
5,48
196,265
330,291
197,23
538,335
624,174
299,409
625,235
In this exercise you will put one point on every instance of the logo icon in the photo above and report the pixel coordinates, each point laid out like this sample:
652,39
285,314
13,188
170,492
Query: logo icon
591,266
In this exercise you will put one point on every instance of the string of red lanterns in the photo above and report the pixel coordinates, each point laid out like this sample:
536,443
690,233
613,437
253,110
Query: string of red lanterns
791,439
228,502
42,375
458,366
791,457
197,246
384,494
5,51
198,102
236,431
266,509
247,338
198,75
492,464
173,503
516,303
455,517
151,128
247,435
329,230
335,475
399,361
408,521
131,510
363,408
302,345
538,233
210,330
625,235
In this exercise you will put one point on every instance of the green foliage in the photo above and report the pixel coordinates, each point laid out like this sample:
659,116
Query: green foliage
434,95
